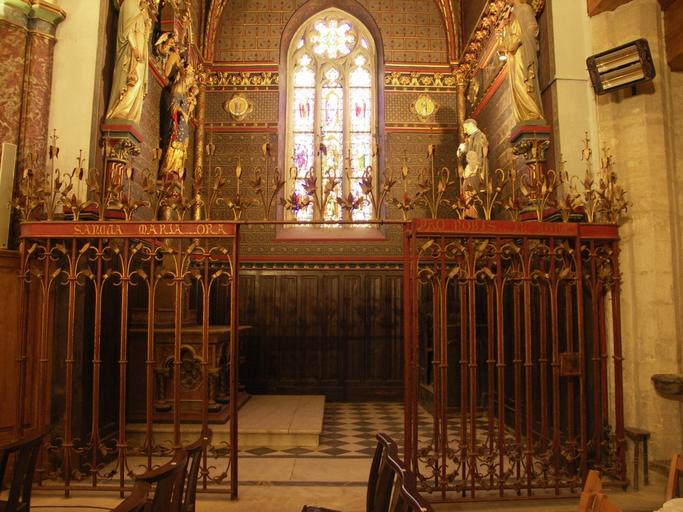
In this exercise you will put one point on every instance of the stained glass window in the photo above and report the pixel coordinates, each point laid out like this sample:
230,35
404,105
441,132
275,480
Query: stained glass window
331,116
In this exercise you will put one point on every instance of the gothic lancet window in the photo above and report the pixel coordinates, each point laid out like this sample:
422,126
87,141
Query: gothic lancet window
332,114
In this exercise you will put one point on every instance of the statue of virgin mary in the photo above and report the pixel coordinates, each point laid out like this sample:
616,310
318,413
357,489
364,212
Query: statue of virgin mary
129,85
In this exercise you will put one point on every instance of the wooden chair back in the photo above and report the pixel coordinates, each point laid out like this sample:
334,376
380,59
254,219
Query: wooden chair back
25,457
194,451
391,487
672,483
137,500
592,498
381,478
405,497
168,481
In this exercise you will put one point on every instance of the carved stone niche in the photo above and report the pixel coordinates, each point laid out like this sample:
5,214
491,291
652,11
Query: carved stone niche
168,17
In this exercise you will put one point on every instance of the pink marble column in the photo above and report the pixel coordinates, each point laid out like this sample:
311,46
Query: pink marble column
33,138
36,100
14,36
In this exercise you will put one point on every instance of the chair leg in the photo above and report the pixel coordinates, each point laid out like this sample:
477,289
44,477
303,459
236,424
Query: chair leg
646,475
636,453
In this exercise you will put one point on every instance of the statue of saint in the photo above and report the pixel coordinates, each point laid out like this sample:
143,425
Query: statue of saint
475,149
129,85
475,152
182,101
520,42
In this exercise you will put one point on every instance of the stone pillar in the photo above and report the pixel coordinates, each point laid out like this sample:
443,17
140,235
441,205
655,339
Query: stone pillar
573,100
75,84
13,34
35,109
641,130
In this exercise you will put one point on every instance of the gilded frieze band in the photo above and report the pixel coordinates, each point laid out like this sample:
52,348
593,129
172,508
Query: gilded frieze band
392,79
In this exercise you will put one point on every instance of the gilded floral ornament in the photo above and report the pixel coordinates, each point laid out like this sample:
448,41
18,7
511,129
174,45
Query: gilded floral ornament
239,107
424,107
416,79
50,194
242,78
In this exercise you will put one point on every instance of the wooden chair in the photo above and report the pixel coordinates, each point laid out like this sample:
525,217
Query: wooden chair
385,471
25,454
168,483
382,475
176,482
592,499
405,497
672,483
137,501
380,480
194,459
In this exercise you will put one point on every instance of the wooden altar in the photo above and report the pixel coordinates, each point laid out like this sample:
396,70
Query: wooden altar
190,372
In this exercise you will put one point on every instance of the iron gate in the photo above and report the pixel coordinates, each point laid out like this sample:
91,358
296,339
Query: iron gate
128,282
512,353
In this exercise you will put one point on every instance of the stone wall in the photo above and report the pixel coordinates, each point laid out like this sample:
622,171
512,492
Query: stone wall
75,83
641,130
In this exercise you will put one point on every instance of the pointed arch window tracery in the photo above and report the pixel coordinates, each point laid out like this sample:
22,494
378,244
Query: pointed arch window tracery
332,113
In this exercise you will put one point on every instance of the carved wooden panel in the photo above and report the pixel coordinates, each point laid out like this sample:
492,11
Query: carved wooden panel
337,333
9,268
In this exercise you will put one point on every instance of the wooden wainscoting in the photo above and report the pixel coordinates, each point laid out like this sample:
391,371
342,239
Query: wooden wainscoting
9,305
333,332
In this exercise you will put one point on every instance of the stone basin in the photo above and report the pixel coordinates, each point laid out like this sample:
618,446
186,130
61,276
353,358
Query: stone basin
669,385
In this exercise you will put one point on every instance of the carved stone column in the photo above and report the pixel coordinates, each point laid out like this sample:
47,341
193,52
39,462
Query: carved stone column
43,19
460,91
199,137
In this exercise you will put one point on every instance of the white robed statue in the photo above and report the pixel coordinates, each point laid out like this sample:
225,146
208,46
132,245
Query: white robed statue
520,42
129,85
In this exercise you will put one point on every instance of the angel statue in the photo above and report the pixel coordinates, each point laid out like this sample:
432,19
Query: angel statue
520,42
474,150
129,85
168,51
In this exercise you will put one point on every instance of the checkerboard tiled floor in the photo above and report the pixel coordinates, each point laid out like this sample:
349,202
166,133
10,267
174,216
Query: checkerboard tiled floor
349,430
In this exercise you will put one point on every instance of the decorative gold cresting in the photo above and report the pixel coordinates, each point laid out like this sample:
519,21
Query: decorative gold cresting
433,191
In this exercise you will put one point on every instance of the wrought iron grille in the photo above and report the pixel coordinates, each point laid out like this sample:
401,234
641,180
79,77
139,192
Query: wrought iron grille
512,350
513,346
123,280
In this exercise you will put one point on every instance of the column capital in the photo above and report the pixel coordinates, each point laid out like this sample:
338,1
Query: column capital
45,16
15,11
